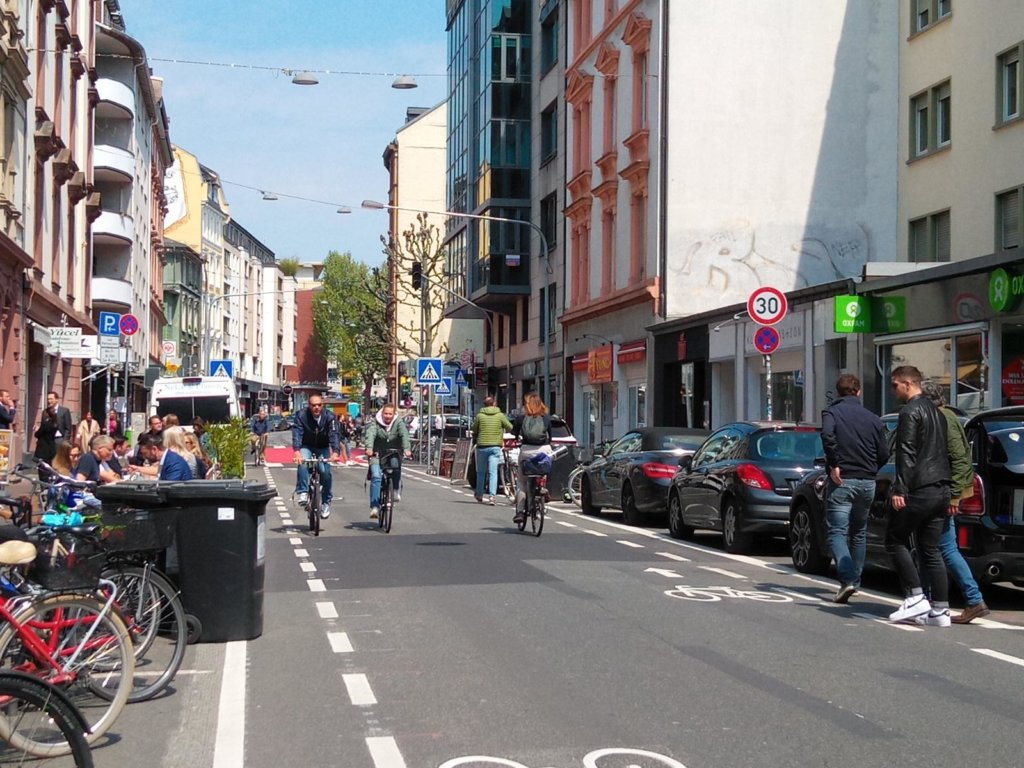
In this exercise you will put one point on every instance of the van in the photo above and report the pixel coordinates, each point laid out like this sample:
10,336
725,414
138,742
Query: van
214,398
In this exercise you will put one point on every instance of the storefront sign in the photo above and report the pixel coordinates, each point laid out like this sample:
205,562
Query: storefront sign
1013,382
599,365
852,314
1004,290
889,314
580,362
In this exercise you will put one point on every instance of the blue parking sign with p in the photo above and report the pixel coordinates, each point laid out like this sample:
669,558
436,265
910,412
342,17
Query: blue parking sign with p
110,324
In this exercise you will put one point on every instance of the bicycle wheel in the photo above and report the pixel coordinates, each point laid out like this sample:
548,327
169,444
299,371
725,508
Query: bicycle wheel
95,656
575,486
386,504
313,504
152,610
38,713
537,514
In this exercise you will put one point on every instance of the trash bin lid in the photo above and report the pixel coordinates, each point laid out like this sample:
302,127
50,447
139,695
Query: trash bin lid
134,492
193,491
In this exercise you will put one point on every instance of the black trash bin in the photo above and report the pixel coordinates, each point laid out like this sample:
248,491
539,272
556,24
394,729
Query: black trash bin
221,535
136,516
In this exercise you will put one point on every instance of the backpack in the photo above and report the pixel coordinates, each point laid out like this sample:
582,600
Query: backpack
533,430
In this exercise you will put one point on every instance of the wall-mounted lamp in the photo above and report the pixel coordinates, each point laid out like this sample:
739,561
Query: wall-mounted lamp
594,336
732,319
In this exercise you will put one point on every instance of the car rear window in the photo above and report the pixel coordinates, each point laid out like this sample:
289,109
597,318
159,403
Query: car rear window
787,445
681,442
1006,446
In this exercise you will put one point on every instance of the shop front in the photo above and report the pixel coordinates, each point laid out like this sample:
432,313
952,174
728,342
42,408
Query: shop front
610,391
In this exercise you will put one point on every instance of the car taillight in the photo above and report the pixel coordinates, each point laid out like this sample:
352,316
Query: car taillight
656,471
974,505
751,475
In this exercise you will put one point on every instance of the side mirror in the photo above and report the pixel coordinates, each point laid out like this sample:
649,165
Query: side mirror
685,463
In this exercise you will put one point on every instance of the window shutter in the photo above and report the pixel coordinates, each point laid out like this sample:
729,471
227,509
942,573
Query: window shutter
942,249
1009,219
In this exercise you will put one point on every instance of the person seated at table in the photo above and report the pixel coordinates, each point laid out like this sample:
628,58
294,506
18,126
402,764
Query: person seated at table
170,466
95,465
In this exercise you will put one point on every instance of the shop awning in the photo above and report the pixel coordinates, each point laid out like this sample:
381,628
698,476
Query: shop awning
632,351
579,362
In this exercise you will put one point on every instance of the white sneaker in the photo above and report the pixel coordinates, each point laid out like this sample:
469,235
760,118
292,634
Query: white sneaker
913,606
374,513
935,619
397,497
301,499
325,510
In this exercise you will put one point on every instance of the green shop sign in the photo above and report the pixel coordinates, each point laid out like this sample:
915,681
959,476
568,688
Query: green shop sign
1004,290
870,314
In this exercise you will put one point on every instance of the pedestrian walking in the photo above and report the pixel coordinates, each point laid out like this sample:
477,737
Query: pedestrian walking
961,487
488,428
88,428
855,449
920,501
46,437
114,424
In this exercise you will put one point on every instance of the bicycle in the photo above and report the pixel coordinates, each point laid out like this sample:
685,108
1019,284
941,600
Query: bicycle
390,462
259,445
314,494
536,501
508,469
42,711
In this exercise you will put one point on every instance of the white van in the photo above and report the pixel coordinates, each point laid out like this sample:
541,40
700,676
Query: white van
215,398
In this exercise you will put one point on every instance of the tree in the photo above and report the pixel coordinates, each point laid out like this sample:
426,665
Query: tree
422,244
350,319
289,267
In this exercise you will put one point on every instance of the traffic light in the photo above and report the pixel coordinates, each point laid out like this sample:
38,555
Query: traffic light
417,275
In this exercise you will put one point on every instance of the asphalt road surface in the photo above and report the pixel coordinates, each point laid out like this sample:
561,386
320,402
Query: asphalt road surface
455,640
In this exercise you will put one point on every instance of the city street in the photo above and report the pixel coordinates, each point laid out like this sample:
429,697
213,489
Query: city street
458,641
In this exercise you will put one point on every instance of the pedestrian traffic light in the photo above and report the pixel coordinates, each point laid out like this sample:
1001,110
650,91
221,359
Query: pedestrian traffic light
417,275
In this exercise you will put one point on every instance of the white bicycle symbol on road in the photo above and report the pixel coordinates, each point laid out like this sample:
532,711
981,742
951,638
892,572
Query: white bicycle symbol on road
714,594
592,760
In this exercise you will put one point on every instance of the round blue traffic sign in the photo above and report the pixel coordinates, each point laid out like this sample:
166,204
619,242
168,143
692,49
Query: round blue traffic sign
129,325
766,340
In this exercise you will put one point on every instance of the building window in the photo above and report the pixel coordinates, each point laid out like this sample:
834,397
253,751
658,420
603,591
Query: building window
549,133
549,219
925,13
929,238
931,120
1009,85
549,42
641,104
1008,219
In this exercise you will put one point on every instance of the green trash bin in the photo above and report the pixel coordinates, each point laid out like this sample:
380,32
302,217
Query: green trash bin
220,548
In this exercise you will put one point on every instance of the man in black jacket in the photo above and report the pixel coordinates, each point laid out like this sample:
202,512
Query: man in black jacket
855,449
920,501
315,434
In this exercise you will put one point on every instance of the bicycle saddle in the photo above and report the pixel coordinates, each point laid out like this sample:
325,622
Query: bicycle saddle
17,552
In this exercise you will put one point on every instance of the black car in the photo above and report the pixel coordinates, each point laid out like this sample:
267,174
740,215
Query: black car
990,526
279,423
634,473
741,479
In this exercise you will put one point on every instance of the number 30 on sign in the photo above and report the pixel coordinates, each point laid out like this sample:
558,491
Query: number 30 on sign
767,305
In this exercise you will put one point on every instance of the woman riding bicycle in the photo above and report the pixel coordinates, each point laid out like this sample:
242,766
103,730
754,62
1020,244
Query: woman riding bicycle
382,434
532,428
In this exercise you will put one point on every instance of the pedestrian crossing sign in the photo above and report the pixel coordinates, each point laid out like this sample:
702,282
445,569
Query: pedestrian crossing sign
428,370
445,387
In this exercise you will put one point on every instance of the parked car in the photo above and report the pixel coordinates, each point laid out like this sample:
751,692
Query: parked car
279,423
741,479
634,473
990,526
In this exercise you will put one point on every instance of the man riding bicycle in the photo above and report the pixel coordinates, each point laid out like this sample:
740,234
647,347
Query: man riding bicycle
382,434
315,434
259,428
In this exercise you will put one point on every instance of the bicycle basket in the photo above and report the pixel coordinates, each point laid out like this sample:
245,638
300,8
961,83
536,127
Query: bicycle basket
68,562
538,463
126,529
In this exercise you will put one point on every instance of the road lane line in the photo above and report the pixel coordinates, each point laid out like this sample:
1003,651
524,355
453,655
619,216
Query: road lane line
316,585
301,553
567,525
887,623
594,533
1001,656
294,541
384,751
339,642
674,556
307,567
359,691
631,544
326,610
723,572
229,746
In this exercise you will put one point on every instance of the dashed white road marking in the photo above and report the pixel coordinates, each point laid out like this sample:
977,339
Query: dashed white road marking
339,642
723,572
800,596
567,525
384,751
632,544
294,541
595,533
673,556
359,691
886,622
229,746
301,553
1001,656
307,567
316,585
326,610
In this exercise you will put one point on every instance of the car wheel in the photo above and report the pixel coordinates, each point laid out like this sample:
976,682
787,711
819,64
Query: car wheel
803,543
736,542
630,514
677,529
587,499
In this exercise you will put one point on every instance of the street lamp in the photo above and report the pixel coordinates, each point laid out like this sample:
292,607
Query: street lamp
378,206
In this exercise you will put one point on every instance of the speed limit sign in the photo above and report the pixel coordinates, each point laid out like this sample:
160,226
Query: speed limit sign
767,305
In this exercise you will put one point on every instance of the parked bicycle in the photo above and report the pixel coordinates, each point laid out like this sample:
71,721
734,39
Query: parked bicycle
508,469
37,711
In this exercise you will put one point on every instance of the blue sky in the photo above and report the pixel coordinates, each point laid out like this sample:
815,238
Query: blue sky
254,127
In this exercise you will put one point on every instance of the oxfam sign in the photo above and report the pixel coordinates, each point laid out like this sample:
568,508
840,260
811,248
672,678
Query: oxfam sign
1004,290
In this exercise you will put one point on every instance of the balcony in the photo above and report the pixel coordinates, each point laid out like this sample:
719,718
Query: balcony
111,228
111,293
116,99
113,164
496,284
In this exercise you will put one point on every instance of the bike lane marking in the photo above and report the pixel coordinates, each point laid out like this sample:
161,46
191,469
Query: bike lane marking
339,642
565,524
723,572
1001,656
359,691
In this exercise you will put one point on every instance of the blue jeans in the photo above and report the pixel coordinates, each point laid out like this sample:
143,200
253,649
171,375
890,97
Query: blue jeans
955,563
846,512
375,476
487,461
302,484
